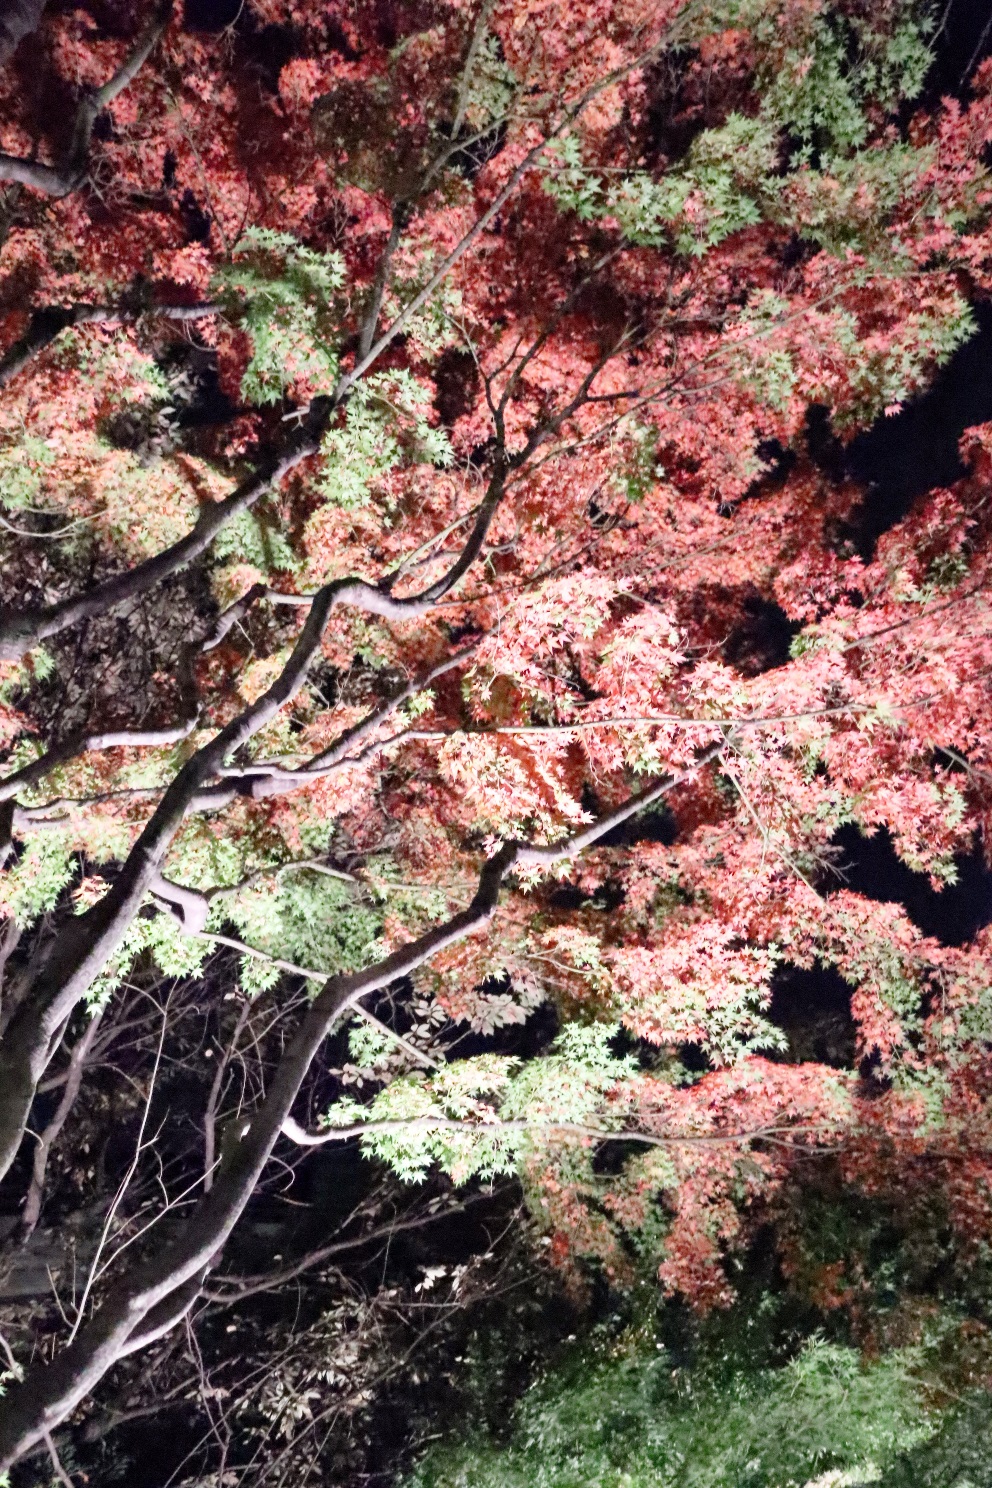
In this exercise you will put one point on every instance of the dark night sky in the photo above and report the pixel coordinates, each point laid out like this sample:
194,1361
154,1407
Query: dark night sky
903,457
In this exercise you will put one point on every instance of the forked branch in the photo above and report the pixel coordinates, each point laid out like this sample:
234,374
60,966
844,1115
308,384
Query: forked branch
60,180
142,1307
48,323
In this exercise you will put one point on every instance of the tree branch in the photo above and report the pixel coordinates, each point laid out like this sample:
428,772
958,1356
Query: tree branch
87,942
48,323
140,1307
61,180
21,630
296,1133
252,1285
31,1212
71,748
270,779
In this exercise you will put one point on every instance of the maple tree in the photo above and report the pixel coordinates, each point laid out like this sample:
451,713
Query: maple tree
404,433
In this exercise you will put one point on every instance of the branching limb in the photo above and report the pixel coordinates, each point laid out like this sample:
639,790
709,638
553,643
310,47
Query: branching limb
296,1133
268,779
20,630
58,1468
553,324
78,744
162,1319
251,1286
161,1287
213,1100
566,119
965,763
89,940
60,180
400,214
582,725
471,57
188,906
74,1079
194,904
70,749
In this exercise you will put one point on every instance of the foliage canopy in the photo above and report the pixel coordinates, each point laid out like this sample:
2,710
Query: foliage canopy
440,657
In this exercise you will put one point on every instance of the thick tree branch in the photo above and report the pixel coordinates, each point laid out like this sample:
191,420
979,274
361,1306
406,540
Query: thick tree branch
270,780
88,941
83,743
62,179
191,909
48,323
296,1133
20,630
70,749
